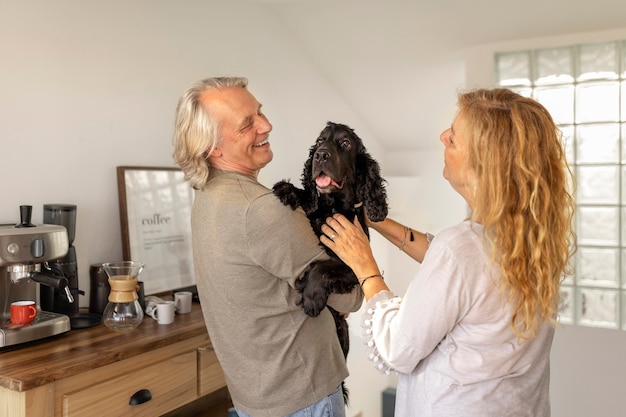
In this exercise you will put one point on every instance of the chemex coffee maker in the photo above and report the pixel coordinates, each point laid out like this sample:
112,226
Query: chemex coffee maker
25,250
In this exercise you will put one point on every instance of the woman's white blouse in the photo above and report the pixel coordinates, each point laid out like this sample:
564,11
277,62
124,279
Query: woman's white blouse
450,338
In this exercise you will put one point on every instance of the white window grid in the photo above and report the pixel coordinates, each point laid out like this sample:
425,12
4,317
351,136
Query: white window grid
584,89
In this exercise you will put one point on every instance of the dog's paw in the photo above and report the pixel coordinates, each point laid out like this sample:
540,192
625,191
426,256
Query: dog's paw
287,193
314,296
313,306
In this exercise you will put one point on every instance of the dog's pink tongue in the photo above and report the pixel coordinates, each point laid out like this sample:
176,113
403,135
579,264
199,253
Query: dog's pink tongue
323,181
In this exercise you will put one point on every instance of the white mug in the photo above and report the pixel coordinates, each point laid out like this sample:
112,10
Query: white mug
182,300
164,312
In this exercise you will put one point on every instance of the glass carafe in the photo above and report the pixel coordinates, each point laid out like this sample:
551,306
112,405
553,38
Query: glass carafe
123,311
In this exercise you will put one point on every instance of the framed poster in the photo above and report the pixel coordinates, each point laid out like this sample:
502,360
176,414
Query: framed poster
155,215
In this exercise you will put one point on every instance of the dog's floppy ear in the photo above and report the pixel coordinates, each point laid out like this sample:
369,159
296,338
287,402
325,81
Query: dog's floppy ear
371,187
308,183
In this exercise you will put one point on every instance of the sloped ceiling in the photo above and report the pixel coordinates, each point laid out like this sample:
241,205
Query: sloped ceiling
400,62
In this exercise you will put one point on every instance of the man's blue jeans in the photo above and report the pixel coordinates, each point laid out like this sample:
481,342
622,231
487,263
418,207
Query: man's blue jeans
331,406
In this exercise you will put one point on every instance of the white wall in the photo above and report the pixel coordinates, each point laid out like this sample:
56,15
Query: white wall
588,365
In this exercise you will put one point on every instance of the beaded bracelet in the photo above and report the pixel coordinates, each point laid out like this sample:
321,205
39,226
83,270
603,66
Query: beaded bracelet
407,232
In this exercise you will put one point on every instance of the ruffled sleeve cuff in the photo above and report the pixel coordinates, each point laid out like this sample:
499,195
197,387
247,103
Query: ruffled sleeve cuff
379,310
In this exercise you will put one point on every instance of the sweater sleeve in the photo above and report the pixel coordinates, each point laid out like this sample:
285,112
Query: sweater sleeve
289,245
280,239
346,303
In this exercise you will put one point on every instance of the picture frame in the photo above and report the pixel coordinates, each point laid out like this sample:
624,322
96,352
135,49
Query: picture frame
155,217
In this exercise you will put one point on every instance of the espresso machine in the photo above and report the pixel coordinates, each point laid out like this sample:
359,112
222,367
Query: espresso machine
25,250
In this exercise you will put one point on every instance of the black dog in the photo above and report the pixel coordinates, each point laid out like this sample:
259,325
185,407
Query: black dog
339,177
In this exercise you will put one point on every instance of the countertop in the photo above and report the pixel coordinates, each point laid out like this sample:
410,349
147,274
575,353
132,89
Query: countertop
74,352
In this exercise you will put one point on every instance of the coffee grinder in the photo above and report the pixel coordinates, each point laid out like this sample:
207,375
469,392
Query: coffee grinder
54,299
25,248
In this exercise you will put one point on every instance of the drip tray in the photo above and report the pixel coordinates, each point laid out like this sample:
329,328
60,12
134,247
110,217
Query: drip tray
46,324
84,320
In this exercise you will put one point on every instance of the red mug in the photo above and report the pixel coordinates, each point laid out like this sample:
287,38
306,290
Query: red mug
23,312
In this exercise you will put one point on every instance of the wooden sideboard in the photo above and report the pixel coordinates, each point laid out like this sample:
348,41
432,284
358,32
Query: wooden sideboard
96,371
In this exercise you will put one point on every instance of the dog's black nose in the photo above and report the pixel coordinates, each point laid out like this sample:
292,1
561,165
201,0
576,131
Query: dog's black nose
321,155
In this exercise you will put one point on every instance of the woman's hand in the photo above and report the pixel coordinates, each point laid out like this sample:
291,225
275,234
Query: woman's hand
350,243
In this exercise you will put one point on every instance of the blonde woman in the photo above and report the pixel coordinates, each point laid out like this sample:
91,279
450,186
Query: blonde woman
472,335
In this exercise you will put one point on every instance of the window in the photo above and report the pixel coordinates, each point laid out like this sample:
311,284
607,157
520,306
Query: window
584,88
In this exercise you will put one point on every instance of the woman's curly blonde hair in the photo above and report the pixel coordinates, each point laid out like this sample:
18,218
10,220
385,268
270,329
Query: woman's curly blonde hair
522,197
196,132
